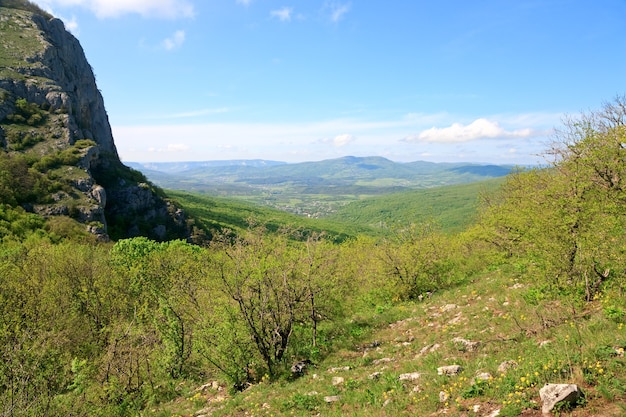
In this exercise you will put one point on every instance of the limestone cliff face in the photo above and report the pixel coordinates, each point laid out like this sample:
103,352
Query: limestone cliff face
59,75
44,66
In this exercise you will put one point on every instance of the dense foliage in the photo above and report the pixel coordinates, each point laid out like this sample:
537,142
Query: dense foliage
568,220
112,329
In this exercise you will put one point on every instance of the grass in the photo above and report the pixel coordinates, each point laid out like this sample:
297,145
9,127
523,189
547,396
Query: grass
20,39
217,213
452,206
550,341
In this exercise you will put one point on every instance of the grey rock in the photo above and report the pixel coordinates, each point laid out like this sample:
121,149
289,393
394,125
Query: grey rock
298,368
429,349
506,365
449,370
381,361
553,394
412,376
467,345
338,380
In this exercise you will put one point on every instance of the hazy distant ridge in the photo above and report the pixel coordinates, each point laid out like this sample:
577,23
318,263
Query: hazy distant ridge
349,167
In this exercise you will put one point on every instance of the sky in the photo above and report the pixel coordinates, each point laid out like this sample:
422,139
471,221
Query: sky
482,81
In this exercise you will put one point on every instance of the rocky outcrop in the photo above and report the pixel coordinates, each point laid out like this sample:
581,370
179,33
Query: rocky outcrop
57,75
46,68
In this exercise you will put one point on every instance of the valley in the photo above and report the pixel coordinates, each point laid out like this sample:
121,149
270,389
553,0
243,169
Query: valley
312,189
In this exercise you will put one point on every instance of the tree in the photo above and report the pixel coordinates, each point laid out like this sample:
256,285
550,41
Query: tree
260,275
569,217
418,260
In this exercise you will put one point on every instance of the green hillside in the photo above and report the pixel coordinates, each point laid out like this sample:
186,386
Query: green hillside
314,189
452,207
219,214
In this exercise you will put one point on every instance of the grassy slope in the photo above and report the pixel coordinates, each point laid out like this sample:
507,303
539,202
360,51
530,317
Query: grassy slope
552,341
217,213
499,311
452,207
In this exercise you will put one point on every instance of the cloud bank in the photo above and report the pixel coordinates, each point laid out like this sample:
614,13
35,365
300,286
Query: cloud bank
480,141
458,133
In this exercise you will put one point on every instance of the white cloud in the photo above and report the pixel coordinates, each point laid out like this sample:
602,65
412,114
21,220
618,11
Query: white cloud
338,10
338,141
244,2
71,24
478,129
175,41
170,9
343,140
284,14
177,147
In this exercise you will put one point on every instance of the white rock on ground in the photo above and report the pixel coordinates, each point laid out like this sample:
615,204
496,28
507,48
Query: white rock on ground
449,370
552,394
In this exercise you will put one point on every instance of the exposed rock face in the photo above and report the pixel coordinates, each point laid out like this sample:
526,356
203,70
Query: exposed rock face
57,74
46,67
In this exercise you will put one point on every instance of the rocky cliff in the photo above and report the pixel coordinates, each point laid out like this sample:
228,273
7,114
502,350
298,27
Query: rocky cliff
53,125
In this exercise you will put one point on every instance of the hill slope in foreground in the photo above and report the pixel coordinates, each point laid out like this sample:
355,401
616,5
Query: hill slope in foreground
506,340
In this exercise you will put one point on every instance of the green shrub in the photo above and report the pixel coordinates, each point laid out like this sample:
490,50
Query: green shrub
27,113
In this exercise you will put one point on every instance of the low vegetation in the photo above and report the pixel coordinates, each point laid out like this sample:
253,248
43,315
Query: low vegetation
531,292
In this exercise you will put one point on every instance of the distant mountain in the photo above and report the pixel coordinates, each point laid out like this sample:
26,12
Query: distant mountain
348,169
315,188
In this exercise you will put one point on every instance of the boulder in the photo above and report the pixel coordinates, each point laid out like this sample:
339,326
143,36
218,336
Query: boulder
553,394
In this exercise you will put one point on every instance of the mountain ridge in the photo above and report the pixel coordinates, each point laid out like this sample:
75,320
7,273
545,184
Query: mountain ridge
337,167
53,124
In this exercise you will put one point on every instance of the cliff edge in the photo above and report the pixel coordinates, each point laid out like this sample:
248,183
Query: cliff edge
57,148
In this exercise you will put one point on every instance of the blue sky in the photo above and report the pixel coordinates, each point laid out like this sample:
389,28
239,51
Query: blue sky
293,80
